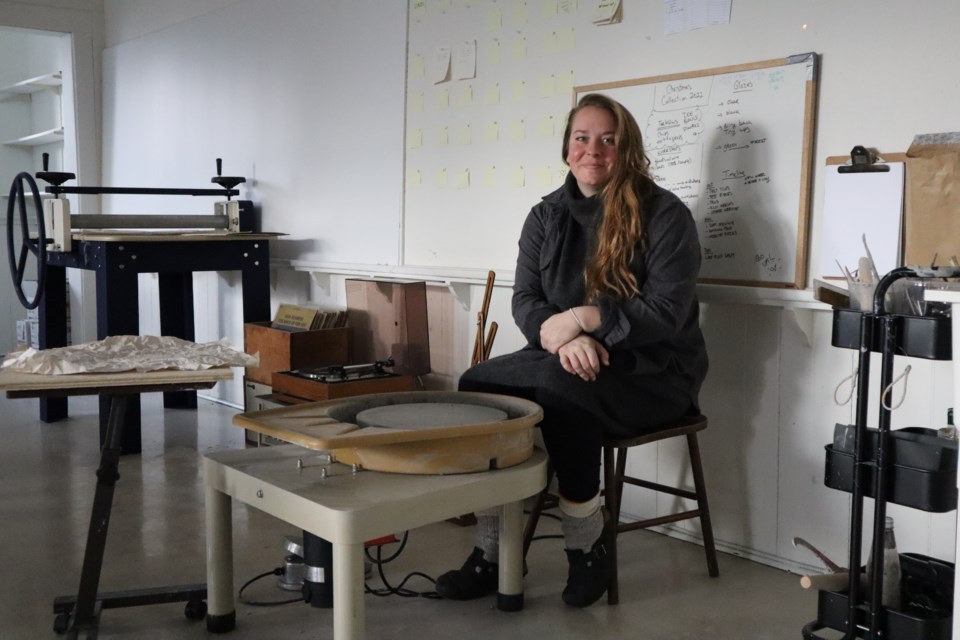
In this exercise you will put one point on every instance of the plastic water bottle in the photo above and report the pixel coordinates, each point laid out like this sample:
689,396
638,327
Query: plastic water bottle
890,596
890,586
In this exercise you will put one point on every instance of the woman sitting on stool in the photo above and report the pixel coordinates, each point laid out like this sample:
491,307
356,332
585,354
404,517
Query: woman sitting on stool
605,295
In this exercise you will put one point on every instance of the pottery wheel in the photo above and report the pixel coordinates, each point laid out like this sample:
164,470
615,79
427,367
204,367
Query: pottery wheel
427,415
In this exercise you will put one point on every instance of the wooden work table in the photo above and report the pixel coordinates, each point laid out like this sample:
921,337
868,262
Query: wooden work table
80,616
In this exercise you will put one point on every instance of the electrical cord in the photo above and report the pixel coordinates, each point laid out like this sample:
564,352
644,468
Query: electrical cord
275,603
379,561
399,590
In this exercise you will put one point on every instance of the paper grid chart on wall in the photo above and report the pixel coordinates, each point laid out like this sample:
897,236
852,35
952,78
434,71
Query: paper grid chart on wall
489,85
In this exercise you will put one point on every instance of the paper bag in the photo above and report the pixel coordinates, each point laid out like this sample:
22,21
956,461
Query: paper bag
932,215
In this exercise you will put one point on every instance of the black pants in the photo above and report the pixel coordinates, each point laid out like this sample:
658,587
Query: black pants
578,414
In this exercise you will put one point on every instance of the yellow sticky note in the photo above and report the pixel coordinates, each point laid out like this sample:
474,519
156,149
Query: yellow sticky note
414,138
493,52
519,14
443,98
548,43
417,66
548,8
518,130
544,177
545,127
462,180
548,86
567,6
419,8
519,91
440,178
490,176
491,132
491,96
517,178
443,136
520,48
565,81
463,134
413,178
465,95
560,174
493,19
567,39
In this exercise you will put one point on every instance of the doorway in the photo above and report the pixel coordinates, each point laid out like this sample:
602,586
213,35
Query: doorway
37,117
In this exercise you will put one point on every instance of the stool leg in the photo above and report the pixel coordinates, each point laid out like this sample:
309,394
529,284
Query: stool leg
612,487
709,545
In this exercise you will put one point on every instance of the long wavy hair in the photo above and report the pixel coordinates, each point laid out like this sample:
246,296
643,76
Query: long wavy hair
622,229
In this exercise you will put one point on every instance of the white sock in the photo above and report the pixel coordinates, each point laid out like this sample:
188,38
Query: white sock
487,535
581,523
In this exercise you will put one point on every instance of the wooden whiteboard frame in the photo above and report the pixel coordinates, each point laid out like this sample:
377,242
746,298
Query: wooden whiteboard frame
806,165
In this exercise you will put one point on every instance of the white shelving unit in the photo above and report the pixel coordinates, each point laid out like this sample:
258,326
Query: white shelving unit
25,89
50,81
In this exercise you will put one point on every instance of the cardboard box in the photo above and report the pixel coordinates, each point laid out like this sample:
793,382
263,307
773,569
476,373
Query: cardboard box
286,350
931,225
389,320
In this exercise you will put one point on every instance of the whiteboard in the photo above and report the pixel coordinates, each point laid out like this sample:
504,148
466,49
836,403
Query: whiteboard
734,144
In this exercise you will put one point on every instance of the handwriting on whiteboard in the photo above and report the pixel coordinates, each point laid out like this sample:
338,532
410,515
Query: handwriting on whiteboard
727,145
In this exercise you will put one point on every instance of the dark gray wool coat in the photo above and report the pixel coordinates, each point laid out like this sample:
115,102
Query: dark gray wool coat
658,357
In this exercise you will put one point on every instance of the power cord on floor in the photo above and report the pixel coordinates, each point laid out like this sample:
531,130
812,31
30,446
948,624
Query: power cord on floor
379,561
399,590
270,603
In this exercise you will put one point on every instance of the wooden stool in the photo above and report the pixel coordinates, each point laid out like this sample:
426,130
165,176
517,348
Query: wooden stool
614,466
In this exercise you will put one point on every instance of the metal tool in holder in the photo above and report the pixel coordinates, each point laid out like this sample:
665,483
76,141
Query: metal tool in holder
928,583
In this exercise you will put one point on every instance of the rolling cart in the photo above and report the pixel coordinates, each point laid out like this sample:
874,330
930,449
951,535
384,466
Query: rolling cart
911,467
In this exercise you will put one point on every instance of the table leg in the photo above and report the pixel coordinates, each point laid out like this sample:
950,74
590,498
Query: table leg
348,614
221,610
86,612
176,319
255,282
118,314
510,589
52,321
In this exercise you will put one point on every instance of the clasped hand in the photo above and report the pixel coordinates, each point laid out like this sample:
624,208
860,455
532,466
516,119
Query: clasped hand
579,353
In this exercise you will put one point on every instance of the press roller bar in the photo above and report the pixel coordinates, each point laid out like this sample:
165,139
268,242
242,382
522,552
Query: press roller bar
122,221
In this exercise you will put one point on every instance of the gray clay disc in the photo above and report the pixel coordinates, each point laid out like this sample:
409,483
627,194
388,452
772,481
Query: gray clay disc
428,415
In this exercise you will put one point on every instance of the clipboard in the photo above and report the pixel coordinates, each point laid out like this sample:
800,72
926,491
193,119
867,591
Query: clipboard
863,196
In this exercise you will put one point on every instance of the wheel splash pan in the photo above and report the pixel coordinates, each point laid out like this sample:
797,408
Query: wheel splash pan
492,432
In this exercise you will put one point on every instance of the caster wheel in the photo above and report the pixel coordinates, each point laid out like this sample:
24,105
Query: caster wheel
195,610
61,623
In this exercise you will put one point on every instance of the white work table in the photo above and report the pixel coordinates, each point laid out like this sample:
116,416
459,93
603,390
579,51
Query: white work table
347,507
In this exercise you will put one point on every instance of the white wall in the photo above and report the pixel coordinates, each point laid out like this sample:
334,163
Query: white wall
306,100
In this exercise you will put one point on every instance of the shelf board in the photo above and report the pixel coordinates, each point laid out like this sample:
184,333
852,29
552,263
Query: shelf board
37,139
32,85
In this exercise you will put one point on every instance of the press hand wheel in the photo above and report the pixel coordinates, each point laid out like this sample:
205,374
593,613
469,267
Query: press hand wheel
23,185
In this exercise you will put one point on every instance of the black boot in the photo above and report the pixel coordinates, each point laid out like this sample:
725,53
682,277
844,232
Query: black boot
589,573
475,579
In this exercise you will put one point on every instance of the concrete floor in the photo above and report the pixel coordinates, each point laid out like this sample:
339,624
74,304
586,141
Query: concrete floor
156,538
